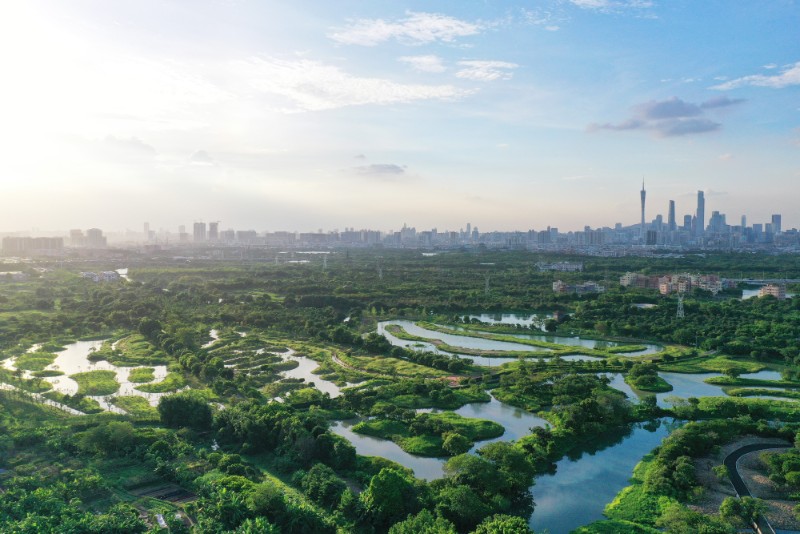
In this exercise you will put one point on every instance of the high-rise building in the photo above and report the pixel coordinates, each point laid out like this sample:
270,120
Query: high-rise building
199,232
95,238
776,223
671,217
147,231
643,194
213,231
700,222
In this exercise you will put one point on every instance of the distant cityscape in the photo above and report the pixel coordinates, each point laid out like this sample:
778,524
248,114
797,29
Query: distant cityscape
646,236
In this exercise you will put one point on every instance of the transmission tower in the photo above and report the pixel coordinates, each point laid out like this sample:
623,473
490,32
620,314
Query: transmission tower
681,313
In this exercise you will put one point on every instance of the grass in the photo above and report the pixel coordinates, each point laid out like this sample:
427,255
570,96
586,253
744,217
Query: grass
135,406
752,392
388,366
452,400
131,350
76,402
751,382
34,385
47,372
95,383
34,361
545,349
706,364
172,382
632,503
659,385
141,375
613,526
430,444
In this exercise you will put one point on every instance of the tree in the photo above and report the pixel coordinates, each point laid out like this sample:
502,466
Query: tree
391,495
454,443
503,524
185,409
423,523
461,505
745,510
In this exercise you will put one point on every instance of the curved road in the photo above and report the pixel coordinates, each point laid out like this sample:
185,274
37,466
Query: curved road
731,460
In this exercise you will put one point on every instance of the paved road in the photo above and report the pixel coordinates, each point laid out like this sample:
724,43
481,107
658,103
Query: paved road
732,458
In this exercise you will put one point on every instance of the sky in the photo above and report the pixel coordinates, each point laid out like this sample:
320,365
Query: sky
307,115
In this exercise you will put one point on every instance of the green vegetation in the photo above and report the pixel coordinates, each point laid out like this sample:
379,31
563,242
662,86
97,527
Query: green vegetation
138,407
171,382
34,361
250,465
95,383
644,376
78,401
141,375
436,434
131,350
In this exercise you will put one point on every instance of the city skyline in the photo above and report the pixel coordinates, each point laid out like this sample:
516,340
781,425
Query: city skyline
320,115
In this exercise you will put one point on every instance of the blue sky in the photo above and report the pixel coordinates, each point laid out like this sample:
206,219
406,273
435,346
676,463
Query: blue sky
315,114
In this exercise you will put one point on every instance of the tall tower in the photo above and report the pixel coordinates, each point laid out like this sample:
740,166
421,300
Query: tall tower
671,220
700,225
643,194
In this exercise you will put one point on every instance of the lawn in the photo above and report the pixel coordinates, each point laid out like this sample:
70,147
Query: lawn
172,382
95,383
141,375
135,406
34,361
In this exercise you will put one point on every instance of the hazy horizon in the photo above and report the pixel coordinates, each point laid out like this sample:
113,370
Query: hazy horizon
270,116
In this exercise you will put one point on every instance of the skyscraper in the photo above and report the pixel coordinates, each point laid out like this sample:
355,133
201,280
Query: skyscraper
671,217
776,223
700,224
213,231
643,195
199,232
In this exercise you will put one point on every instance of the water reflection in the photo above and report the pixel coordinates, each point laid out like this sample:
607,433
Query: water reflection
580,488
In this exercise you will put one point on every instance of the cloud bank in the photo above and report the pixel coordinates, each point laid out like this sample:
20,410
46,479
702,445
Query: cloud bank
672,117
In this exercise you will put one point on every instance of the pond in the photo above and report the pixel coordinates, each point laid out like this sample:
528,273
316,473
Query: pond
579,490
517,423
304,370
74,359
525,319
456,340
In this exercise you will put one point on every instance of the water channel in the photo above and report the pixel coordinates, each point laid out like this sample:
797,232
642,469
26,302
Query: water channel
455,340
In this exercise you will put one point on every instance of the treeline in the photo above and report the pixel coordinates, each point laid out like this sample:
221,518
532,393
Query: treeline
759,327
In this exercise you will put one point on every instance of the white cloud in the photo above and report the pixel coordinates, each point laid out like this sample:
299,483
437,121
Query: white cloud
789,76
485,71
416,28
313,86
612,5
429,63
